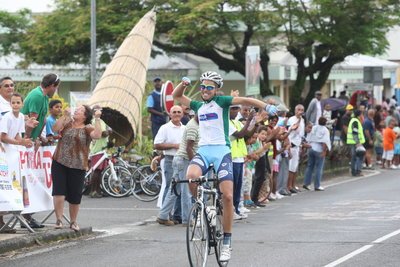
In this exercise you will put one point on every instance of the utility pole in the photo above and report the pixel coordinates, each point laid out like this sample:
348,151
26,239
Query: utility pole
92,44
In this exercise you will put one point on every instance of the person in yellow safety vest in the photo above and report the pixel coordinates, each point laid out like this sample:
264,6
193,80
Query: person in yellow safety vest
356,139
237,133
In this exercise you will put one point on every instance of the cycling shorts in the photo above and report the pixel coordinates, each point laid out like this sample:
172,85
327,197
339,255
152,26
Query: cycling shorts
220,156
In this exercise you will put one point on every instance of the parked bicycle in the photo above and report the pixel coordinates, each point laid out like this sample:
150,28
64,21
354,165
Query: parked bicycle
204,230
116,180
110,162
132,178
147,183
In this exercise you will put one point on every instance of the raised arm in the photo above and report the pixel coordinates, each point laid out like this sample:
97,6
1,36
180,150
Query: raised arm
96,133
61,122
271,109
178,93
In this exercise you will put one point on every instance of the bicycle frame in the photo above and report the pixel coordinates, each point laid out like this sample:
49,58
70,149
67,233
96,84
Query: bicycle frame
97,163
201,191
100,161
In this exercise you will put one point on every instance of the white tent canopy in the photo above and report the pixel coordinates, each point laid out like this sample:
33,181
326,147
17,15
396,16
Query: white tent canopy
356,61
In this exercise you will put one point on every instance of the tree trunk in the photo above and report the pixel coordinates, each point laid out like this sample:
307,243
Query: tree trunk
296,90
264,86
264,83
317,84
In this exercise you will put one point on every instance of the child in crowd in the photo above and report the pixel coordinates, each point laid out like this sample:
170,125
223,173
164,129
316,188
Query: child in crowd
378,142
396,158
272,131
279,149
12,125
282,160
252,145
260,168
389,136
55,109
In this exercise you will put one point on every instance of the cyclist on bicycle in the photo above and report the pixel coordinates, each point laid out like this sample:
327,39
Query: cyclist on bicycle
214,143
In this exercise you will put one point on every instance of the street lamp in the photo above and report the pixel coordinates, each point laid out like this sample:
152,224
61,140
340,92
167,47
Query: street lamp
92,44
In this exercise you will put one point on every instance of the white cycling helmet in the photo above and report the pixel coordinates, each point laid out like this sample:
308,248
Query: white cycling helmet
212,76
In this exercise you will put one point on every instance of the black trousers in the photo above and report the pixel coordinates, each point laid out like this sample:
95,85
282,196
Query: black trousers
259,177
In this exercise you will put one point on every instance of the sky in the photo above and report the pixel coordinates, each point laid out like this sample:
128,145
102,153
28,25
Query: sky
34,5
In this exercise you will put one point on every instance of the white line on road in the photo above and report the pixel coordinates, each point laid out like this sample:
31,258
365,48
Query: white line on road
123,209
353,179
104,233
385,237
362,249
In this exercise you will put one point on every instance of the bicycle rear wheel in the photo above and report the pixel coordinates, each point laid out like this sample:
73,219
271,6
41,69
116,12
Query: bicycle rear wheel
151,181
147,183
197,237
87,184
119,187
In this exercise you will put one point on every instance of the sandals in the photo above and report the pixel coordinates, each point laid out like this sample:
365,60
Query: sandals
59,224
74,226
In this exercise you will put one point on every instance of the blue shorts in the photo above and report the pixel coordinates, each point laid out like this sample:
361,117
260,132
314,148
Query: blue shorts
397,149
220,156
379,150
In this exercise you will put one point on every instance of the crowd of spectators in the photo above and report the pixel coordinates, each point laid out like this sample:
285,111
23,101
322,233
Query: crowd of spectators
266,150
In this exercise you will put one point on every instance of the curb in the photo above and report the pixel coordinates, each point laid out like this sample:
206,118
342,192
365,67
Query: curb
34,239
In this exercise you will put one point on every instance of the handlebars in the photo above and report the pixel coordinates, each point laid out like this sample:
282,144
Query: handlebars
200,180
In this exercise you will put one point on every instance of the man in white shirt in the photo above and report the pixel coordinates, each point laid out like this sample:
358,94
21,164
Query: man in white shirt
6,91
168,138
295,137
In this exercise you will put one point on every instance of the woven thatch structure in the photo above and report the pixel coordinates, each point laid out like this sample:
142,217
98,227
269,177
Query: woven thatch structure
121,88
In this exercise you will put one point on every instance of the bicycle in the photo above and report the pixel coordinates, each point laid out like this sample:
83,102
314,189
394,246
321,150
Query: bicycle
204,230
141,181
116,179
88,178
146,183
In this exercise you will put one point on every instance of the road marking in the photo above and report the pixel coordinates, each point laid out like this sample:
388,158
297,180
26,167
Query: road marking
362,249
383,238
126,228
104,233
123,209
39,251
353,179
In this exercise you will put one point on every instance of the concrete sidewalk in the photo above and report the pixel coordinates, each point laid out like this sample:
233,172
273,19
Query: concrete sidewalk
24,239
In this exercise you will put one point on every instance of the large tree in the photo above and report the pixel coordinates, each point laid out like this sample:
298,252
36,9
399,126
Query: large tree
321,33
218,30
318,33
12,29
212,29
63,35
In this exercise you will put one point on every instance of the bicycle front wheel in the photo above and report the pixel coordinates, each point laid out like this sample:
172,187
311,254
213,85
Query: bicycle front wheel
219,235
119,186
147,184
197,237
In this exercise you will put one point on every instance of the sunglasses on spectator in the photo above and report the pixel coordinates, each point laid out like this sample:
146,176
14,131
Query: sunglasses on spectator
207,87
8,85
176,112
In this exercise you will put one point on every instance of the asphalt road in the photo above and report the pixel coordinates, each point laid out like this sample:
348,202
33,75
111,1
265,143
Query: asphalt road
355,222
